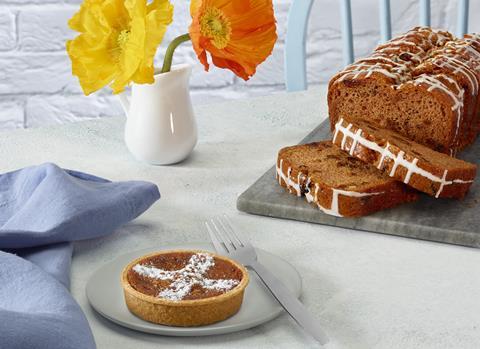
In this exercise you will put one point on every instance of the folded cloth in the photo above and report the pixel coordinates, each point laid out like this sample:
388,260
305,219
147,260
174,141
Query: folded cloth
43,209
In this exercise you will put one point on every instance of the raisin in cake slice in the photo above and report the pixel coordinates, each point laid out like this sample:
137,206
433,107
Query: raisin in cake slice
420,167
338,184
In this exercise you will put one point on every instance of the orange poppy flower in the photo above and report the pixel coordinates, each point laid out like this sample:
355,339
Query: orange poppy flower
238,34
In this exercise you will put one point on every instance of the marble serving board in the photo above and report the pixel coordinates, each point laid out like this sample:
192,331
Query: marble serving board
442,220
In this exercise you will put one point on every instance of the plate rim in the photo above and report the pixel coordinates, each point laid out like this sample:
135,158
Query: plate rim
186,331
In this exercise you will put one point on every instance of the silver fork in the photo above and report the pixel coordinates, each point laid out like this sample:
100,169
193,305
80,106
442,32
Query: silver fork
226,241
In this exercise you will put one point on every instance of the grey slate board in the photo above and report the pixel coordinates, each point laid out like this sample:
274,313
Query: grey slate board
444,220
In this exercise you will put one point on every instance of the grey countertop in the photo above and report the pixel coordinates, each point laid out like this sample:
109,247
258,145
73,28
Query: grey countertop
368,290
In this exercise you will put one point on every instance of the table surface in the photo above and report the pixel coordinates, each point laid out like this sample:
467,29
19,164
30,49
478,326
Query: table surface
367,290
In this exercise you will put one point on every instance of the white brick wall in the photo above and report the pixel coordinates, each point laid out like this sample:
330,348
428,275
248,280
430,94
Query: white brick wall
37,88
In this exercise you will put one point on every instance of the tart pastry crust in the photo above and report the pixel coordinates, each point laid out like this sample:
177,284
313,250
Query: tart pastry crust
188,312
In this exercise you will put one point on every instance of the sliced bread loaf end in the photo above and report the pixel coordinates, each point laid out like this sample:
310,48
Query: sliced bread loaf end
338,184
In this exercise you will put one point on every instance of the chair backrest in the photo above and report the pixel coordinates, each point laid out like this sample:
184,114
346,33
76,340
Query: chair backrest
297,24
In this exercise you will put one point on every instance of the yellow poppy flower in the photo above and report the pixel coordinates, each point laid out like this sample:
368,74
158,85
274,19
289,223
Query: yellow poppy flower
238,34
117,42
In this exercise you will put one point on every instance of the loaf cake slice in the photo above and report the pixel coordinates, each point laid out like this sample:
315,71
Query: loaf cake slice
338,184
423,84
420,167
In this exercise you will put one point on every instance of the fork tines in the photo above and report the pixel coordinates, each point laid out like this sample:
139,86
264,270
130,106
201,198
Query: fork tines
223,234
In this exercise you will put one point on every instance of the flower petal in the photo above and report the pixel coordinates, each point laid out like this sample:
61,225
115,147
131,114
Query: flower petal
160,14
251,40
117,41
194,6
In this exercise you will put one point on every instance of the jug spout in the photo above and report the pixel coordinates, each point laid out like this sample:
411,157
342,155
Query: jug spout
124,102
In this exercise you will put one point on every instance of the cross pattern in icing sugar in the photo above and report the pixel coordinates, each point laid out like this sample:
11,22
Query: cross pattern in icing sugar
184,279
398,159
334,209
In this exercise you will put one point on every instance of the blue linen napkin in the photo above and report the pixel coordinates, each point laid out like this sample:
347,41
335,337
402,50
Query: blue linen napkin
43,209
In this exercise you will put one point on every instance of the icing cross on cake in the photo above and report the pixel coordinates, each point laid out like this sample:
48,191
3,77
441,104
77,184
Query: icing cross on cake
183,280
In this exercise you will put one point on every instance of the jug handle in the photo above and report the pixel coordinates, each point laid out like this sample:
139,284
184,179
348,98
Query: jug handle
125,102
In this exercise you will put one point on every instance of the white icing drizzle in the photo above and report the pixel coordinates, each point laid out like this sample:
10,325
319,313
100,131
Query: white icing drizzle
405,42
473,39
354,143
435,83
435,36
399,160
287,179
408,39
344,140
386,49
415,56
184,279
401,40
409,173
467,48
385,151
457,66
421,40
279,173
382,58
355,70
442,184
400,71
334,209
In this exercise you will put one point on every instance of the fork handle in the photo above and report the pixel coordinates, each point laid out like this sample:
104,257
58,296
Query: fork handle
290,303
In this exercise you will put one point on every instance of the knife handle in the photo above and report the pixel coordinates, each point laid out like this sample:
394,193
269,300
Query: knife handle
290,303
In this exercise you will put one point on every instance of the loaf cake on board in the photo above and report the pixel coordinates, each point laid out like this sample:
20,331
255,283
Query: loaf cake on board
423,84
337,183
420,167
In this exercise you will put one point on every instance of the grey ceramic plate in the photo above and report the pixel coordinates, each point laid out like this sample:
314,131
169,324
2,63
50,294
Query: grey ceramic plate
105,294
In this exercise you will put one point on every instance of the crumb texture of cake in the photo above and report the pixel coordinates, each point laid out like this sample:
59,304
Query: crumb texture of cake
418,166
337,183
184,287
423,84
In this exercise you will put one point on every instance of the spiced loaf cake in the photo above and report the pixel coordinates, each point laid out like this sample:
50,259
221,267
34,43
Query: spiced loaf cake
338,184
423,84
416,165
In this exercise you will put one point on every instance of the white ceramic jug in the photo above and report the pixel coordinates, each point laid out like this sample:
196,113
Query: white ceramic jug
161,127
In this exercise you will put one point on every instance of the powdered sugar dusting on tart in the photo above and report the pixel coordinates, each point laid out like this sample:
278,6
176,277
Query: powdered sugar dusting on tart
183,280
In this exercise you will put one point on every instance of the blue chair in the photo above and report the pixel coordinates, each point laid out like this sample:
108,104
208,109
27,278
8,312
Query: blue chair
297,24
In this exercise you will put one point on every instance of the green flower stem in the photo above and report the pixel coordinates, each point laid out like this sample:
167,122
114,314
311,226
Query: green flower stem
167,61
